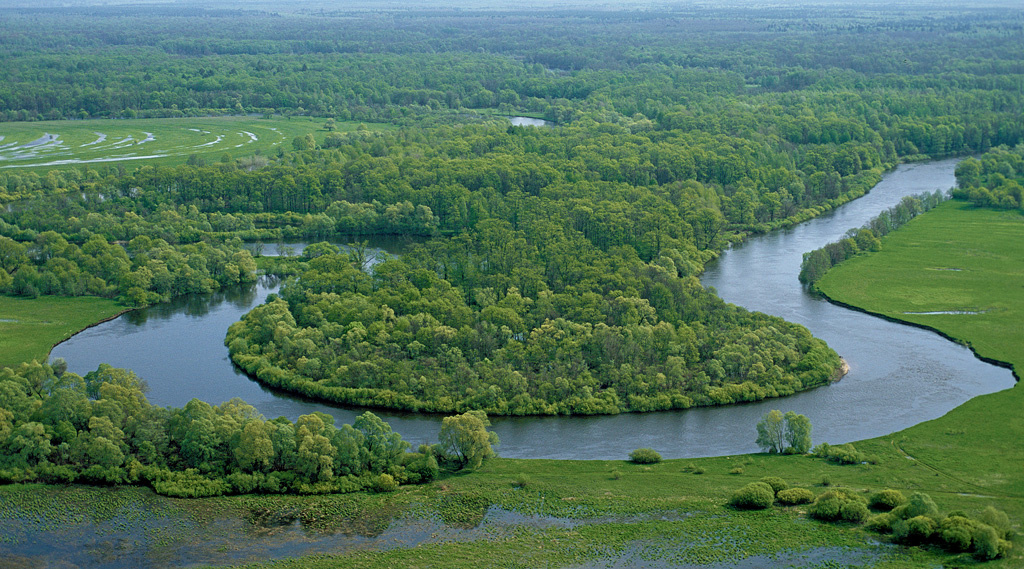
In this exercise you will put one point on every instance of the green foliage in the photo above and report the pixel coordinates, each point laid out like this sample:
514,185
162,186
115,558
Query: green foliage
795,496
881,523
818,262
886,500
770,431
994,180
466,440
836,504
919,504
775,431
753,496
645,456
913,531
102,430
777,484
840,454
854,512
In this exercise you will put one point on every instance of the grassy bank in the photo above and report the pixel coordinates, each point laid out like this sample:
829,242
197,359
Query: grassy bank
955,259
30,327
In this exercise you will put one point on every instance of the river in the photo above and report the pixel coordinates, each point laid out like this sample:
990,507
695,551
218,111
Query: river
899,375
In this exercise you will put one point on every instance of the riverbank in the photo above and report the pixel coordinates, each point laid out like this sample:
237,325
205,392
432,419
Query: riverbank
31,328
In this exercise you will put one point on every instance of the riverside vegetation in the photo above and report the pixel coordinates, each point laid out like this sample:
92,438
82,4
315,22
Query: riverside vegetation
560,277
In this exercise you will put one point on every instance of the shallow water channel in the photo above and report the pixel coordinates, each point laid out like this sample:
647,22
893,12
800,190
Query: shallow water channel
899,375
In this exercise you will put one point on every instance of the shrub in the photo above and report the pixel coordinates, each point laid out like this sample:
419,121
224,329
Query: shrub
854,512
998,520
521,481
698,470
914,530
616,474
753,496
385,483
918,505
776,483
793,496
829,506
645,456
987,544
957,533
886,500
826,481
737,470
881,523
842,454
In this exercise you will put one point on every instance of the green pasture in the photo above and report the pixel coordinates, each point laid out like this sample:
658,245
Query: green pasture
49,144
30,327
957,259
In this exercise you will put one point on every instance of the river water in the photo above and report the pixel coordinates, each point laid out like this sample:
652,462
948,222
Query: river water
899,375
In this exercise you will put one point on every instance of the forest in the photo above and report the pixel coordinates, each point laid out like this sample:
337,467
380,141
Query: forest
557,269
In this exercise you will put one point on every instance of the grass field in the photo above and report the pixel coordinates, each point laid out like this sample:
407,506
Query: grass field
30,327
47,144
954,259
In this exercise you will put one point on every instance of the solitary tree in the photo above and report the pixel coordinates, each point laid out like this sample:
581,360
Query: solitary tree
466,438
798,432
775,430
771,431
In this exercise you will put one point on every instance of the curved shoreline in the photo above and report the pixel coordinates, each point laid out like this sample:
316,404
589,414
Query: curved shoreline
986,359
93,325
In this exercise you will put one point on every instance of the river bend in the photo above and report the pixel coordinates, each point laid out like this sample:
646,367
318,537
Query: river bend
899,375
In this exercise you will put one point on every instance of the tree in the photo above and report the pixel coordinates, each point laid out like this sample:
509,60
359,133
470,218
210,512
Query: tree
771,431
798,432
466,438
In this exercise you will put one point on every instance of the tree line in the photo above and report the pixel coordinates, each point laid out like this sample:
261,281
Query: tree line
58,427
867,238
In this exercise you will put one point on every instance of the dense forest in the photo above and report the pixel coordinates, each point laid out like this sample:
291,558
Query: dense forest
994,180
56,426
558,268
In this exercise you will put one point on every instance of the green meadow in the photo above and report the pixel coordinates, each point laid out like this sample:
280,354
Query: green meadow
30,327
47,144
957,269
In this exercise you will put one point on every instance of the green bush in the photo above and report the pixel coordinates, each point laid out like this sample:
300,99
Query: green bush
841,454
385,483
918,505
645,456
793,496
881,523
854,512
776,483
957,533
913,531
737,470
987,544
829,506
886,500
998,520
753,496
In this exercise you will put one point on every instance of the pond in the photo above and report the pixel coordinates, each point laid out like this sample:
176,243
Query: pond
899,375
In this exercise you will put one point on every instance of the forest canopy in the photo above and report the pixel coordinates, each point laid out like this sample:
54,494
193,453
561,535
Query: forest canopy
558,266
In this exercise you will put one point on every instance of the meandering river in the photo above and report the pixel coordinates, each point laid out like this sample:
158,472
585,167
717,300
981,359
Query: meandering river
899,375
